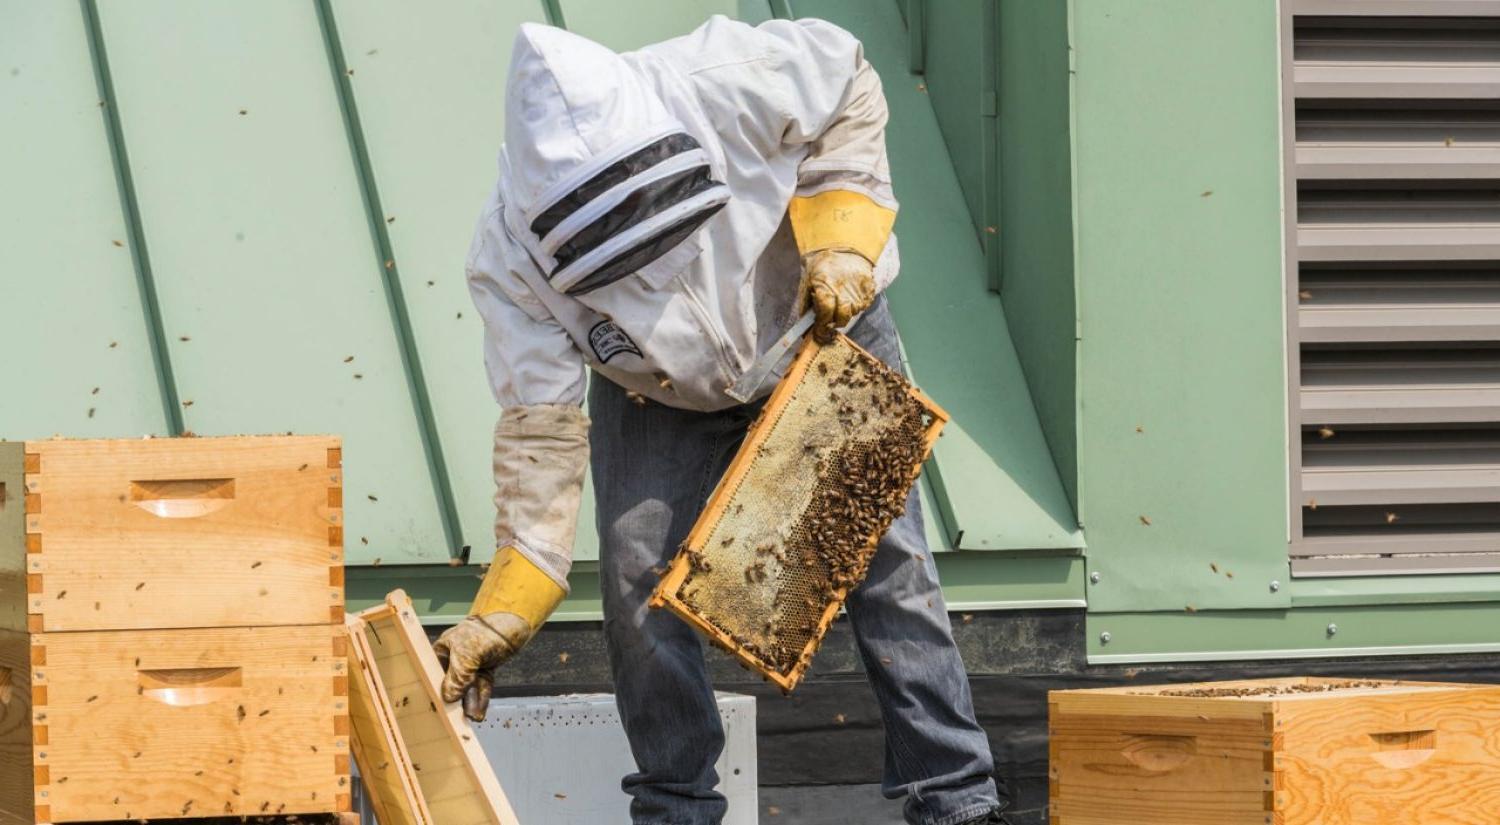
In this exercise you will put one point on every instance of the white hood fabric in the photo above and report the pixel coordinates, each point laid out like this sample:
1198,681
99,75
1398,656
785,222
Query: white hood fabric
639,228
698,144
597,170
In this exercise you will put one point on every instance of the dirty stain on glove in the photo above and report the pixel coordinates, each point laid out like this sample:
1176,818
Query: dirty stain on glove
470,653
838,285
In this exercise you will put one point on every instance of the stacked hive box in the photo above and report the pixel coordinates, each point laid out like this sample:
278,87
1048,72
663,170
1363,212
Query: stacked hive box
1298,751
171,629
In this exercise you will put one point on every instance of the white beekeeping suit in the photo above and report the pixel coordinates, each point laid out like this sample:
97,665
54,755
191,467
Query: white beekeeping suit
654,220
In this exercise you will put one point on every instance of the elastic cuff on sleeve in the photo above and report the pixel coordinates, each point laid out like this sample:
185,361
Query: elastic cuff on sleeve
515,584
555,564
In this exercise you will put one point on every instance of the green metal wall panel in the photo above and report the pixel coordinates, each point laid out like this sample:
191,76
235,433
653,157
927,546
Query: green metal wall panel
995,483
262,252
624,26
1369,590
77,356
269,219
971,581
986,581
1178,213
1304,633
429,86
1036,213
443,594
954,76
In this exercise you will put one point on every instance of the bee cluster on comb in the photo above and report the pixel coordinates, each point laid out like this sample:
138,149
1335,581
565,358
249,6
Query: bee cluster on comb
793,526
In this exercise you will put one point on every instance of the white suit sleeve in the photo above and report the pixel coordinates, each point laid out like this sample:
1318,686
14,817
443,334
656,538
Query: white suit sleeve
830,98
541,444
804,88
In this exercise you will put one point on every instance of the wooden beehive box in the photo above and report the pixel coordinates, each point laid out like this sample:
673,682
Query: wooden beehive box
418,757
1298,751
171,638
171,532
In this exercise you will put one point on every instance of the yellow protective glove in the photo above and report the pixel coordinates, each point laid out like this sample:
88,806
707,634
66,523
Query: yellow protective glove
839,285
840,234
513,602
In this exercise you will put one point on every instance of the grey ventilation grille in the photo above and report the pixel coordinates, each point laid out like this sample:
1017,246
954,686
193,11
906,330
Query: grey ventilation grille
1393,178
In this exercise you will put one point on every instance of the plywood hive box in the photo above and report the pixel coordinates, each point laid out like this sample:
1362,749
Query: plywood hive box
1300,751
171,638
417,756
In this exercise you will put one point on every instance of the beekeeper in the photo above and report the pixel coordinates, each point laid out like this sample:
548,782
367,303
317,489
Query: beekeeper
661,218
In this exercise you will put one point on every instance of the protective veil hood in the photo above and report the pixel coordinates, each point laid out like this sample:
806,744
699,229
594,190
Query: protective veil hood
598,176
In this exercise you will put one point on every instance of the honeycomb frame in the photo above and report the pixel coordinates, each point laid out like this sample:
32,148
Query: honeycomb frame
673,592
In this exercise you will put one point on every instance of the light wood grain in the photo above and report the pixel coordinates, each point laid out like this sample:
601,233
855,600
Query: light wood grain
1173,770
1125,704
162,724
181,532
452,774
472,793
1339,686
1409,752
1420,758
384,764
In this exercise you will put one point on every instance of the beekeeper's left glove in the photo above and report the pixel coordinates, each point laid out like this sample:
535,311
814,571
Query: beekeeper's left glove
838,285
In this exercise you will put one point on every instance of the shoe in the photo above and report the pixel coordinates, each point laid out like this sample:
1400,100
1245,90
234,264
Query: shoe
991,818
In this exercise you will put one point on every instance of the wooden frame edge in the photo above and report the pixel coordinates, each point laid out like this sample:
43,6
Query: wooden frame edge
665,595
370,680
39,738
426,663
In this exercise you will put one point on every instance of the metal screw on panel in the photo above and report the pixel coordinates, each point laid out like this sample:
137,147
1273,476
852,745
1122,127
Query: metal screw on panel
1104,638
1275,586
1095,577
1333,629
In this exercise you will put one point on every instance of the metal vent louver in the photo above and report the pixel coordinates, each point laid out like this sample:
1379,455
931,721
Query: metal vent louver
1393,121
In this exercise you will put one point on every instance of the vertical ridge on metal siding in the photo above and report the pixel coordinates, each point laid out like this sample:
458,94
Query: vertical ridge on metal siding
166,383
961,77
251,203
554,13
389,273
954,80
1036,213
994,481
77,357
429,84
1396,311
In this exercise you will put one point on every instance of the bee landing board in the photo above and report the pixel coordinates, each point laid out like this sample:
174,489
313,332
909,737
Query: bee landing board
791,527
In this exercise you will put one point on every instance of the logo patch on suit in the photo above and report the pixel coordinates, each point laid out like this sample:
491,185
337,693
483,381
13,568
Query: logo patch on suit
608,340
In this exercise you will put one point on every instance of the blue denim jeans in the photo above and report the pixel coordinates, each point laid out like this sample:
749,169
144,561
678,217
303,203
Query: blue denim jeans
654,467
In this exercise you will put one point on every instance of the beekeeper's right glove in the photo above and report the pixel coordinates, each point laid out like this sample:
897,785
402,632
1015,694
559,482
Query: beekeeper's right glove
513,602
541,453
